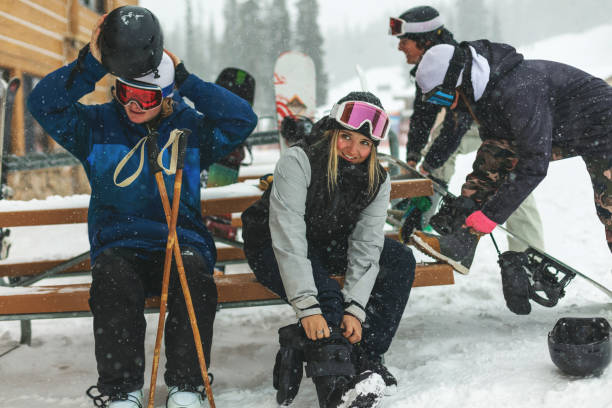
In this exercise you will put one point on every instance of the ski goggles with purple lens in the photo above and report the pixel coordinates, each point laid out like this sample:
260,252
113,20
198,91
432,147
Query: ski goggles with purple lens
353,115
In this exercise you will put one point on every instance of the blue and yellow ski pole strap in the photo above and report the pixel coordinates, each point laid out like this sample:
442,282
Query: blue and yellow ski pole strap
265,181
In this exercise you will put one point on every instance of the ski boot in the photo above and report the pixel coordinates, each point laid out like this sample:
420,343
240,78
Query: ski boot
288,368
452,214
338,385
457,248
132,399
186,396
374,363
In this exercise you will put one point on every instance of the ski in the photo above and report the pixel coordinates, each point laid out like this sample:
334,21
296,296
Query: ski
294,89
7,99
225,172
546,269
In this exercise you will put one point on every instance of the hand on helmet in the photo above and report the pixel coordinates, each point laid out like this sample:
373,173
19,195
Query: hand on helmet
176,60
94,47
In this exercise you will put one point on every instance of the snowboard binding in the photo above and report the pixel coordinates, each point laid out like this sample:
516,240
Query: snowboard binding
531,275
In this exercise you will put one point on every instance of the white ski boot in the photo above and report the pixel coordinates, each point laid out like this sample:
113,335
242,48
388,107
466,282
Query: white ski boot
186,397
130,400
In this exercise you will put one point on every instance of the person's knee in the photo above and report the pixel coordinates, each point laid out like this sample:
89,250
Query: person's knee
114,279
201,284
397,263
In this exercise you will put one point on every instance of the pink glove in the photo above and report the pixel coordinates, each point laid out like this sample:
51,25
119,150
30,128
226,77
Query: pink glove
480,222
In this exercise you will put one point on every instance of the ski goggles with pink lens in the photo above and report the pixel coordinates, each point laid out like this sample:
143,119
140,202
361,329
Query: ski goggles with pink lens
353,115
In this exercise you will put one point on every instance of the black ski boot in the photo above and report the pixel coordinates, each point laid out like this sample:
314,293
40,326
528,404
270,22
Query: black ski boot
288,368
330,364
364,362
452,214
457,248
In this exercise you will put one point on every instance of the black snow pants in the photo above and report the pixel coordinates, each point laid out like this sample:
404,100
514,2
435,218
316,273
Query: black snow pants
387,300
122,279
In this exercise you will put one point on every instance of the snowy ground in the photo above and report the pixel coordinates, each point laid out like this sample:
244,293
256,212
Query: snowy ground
457,346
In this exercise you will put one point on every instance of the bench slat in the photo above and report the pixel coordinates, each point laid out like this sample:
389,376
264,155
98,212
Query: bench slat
34,268
211,206
231,288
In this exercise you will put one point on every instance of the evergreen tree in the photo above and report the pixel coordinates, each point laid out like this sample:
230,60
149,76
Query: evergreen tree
229,44
195,38
309,40
278,40
278,27
253,49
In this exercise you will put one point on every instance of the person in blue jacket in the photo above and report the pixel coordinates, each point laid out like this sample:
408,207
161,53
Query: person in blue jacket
126,222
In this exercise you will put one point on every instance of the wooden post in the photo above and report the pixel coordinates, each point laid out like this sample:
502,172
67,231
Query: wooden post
17,121
73,17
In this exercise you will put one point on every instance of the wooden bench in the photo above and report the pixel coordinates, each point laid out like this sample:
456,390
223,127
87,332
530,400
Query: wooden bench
235,290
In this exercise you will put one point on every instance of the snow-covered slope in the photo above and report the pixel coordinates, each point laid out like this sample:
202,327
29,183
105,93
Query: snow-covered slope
457,346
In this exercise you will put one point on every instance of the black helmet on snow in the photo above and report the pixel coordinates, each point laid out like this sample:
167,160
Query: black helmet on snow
131,42
580,346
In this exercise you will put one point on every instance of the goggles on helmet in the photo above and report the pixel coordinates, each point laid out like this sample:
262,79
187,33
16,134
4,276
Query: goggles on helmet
146,96
353,114
445,94
399,27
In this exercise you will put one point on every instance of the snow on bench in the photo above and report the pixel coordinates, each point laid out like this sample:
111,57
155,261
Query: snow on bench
234,289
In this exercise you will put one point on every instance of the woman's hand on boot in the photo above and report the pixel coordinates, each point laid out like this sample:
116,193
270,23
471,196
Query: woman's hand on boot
352,328
315,327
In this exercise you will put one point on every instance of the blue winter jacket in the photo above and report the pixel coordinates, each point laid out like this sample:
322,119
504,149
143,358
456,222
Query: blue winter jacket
101,135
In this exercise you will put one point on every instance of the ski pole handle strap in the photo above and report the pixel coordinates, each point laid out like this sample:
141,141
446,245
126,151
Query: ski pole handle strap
173,143
182,148
130,179
153,152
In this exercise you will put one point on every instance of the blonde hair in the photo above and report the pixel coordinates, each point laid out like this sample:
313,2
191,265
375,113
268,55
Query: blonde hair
332,163
167,107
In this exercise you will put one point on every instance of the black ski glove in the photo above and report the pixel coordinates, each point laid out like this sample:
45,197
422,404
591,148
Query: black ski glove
180,74
78,67
515,281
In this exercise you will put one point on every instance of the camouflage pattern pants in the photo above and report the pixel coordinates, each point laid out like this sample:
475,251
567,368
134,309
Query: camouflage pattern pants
525,221
496,159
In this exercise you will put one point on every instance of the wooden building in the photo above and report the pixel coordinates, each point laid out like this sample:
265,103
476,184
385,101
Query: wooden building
37,37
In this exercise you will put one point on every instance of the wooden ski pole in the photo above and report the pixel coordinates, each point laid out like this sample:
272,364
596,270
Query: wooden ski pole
173,246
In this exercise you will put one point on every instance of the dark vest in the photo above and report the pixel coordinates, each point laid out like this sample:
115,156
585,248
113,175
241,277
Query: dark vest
330,217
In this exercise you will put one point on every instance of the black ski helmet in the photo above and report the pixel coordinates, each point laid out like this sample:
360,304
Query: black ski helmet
580,346
131,42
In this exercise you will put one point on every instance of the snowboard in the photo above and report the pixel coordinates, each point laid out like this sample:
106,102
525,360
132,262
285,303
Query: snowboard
7,99
295,94
225,172
546,273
